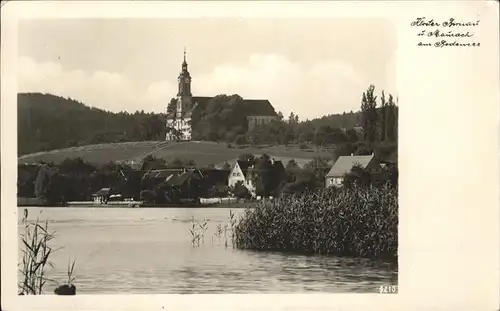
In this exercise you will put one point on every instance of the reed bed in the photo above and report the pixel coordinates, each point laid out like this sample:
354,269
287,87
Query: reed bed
358,222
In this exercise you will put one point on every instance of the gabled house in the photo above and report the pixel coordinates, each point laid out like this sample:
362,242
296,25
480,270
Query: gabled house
244,171
214,179
239,173
344,164
184,183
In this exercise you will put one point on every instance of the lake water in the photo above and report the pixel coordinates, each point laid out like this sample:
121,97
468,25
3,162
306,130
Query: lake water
149,251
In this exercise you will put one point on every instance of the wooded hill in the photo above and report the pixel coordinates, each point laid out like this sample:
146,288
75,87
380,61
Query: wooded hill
48,122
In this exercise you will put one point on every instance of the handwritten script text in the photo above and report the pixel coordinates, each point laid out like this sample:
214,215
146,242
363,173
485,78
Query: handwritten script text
446,33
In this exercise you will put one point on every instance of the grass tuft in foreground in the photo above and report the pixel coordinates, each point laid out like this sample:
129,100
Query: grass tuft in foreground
358,222
36,253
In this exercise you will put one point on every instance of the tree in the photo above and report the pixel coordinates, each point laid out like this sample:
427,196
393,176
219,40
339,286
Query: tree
153,163
291,164
392,120
306,136
352,135
344,149
172,107
179,162
301,181
363,148
369,114
42,182
218,191
226,166
240,191
263,176
160,193
319,168
280,116
383,118
246,157
392,175
241,140
50,186
357,176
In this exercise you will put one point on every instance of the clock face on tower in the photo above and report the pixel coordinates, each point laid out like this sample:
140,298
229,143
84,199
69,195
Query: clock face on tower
186,80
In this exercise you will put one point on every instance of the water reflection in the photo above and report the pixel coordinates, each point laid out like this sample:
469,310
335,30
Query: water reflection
149,251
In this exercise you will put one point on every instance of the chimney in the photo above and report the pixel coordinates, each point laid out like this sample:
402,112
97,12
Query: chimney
272,161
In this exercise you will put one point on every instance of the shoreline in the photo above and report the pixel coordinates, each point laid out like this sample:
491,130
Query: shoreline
139,205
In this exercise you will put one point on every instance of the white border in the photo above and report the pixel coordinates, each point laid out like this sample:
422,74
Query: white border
449,192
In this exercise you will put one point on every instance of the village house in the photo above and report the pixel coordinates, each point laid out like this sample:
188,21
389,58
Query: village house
244,172
261,111
213,177
239,173
344,164
184,183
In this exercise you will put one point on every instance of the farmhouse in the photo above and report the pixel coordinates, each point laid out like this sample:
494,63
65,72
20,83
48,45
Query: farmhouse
344,164
179,121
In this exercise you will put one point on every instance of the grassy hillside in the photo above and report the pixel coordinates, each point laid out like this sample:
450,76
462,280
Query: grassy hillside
203,153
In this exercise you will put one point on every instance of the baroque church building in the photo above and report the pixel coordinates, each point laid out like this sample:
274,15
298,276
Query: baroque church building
260,112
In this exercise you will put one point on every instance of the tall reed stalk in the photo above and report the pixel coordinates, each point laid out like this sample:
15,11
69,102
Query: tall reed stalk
198,232
36,252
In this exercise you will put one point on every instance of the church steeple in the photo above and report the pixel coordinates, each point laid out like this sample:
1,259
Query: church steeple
184,63
184,79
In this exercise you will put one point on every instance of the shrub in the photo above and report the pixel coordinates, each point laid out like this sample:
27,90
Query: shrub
361,222
240,191
241,140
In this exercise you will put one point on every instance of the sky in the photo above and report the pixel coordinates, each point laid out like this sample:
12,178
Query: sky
312,67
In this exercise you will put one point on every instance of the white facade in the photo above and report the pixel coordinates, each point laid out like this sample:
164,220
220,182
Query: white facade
179,121
182,125
237,175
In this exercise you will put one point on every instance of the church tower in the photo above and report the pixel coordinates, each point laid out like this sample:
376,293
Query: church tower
184,96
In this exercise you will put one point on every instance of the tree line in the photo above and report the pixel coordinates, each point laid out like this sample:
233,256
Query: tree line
76,180
47,122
